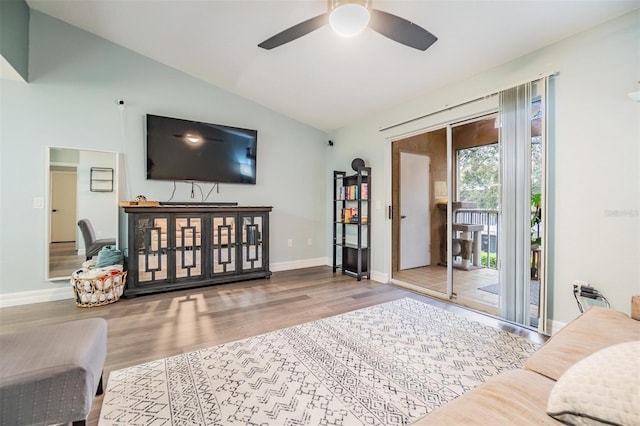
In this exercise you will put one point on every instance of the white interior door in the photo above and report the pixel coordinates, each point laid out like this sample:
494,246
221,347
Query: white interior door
415,232
63,206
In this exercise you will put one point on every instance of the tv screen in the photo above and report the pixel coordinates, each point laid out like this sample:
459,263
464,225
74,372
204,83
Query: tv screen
194,151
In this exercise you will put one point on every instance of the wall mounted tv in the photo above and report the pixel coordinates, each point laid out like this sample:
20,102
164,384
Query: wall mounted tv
194,151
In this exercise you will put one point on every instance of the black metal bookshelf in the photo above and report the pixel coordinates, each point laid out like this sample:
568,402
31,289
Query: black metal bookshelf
352,223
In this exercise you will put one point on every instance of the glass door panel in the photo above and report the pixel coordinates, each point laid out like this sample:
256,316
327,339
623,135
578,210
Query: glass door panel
188,259
152,249
538,153
223,250
475,193
252,242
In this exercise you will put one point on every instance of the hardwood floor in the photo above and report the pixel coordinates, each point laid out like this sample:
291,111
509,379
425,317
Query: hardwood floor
151,327
64,259
466,286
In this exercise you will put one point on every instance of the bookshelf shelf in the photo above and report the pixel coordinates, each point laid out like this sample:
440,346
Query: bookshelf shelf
351,224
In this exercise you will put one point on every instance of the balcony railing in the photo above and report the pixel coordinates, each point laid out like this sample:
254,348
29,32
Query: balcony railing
489,235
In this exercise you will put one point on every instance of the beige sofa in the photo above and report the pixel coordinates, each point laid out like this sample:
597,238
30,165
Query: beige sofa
521,397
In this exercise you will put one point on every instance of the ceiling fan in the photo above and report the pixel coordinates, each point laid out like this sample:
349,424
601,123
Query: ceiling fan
349,17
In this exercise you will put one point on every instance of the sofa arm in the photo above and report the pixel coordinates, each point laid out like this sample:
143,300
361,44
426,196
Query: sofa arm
635,307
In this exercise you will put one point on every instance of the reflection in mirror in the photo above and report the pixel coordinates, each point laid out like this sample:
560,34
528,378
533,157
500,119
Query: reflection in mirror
82,185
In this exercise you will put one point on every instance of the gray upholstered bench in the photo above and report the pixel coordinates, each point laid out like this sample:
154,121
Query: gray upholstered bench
50,374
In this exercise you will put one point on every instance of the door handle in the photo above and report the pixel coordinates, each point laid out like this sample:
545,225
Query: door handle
54,210
403,217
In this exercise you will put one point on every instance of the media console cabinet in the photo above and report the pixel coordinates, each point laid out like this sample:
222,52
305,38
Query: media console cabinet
178,247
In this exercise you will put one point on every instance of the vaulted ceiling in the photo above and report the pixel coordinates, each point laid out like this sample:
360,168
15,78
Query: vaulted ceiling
322,79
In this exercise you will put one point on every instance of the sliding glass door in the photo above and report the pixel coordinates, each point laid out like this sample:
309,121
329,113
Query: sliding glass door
484,204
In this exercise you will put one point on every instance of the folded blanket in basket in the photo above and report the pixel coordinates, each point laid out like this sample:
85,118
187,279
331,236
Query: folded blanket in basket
109,255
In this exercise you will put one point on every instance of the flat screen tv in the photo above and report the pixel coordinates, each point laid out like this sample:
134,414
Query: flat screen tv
193,151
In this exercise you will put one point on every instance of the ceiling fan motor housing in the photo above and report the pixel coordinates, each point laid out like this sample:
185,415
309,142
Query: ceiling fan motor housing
349,17
333,4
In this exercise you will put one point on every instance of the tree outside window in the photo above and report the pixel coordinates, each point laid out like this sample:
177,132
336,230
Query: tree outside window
478,176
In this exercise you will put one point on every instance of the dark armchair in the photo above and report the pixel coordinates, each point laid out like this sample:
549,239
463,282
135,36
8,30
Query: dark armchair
92,246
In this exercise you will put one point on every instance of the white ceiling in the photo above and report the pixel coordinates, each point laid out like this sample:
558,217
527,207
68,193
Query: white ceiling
321,79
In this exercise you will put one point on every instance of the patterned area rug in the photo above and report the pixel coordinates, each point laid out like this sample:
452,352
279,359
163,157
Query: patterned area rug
388,364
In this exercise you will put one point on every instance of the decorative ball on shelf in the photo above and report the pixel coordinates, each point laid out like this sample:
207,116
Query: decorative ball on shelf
141,198
357,163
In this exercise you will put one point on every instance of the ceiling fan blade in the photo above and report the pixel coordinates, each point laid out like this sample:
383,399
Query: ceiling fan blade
297,31
400,30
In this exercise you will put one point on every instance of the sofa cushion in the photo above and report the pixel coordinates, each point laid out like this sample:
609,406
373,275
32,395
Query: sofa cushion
603,388
50,374
596,329
517,397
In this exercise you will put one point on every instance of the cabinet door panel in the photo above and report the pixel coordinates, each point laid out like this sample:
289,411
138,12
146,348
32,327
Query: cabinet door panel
252,233
188,249
152,249
223,245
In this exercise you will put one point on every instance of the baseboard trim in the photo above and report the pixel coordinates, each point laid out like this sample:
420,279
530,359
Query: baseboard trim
298,264
380,277
36,296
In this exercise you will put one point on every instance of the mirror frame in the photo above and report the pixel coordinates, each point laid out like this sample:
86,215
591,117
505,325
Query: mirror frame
47,203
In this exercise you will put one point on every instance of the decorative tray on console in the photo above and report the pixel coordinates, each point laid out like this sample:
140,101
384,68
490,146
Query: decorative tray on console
144,203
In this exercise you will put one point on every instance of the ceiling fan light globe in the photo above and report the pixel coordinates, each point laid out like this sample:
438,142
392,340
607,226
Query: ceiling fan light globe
348,20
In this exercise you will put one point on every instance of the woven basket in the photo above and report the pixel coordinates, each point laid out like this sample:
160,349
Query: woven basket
97,288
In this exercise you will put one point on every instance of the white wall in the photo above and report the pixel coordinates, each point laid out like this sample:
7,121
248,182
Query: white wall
594,170
76,80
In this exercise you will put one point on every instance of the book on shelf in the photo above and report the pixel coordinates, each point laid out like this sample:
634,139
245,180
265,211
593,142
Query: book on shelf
352,192
350,215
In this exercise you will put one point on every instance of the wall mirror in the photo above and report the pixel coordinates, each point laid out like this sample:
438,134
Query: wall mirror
82,184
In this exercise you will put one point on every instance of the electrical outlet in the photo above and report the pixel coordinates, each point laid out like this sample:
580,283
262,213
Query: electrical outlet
38,202
309,242
290,242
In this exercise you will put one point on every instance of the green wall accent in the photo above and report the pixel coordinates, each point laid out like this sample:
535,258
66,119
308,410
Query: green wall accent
14,35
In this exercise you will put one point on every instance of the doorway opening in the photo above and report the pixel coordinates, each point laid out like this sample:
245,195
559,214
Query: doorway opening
474,181
430,274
